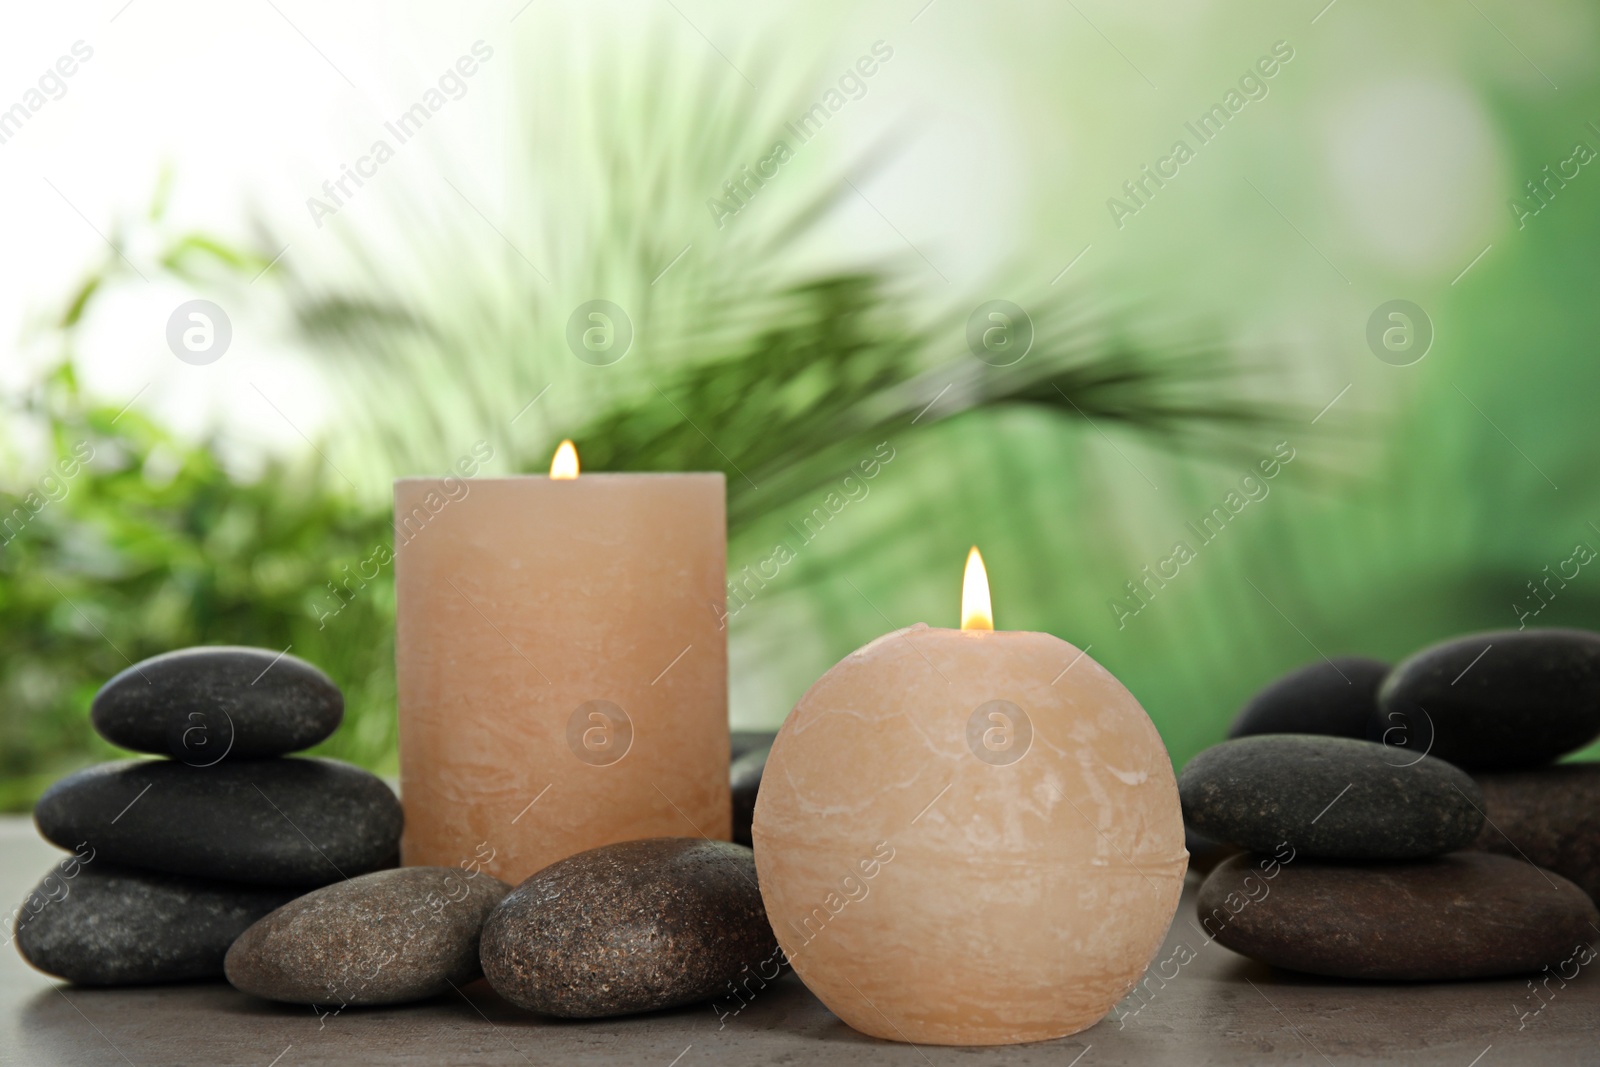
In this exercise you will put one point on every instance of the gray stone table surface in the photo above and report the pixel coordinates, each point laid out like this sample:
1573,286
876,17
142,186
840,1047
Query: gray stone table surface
1219,1009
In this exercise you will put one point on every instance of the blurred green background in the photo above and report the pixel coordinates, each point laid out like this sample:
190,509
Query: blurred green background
1226,315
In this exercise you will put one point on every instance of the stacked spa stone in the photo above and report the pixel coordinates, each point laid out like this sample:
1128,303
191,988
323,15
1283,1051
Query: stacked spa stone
1370,851
173,858
749,751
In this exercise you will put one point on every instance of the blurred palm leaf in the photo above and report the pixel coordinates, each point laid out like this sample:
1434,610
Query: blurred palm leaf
744,360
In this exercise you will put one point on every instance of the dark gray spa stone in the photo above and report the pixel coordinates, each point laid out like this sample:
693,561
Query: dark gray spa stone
107,925
630,927
383,938
1329,796
744,779
295,822
1204,853
203,705
1466,915
1337,697
1496,701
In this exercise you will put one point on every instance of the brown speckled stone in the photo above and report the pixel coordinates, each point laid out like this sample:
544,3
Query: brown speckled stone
1551,816
384,938
1465,915
629,927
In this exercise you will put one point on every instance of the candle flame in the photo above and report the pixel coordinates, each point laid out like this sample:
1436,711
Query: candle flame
976,611
565,464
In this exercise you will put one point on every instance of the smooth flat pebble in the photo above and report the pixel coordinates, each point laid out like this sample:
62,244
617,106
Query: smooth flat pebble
1337,697
1329,796
383,938
1495,701
630,927
296,822
744,779
1465,915
1550,816
106,925
203,705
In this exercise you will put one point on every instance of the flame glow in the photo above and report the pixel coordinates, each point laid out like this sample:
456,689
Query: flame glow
565,463
976,611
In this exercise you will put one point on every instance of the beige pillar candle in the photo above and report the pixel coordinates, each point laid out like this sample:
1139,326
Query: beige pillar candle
969,837
562,665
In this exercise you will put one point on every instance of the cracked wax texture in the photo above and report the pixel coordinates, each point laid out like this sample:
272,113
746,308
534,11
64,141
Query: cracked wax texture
520,601
1022,901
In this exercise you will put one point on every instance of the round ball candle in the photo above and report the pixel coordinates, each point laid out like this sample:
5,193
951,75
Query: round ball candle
969,837
562,664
